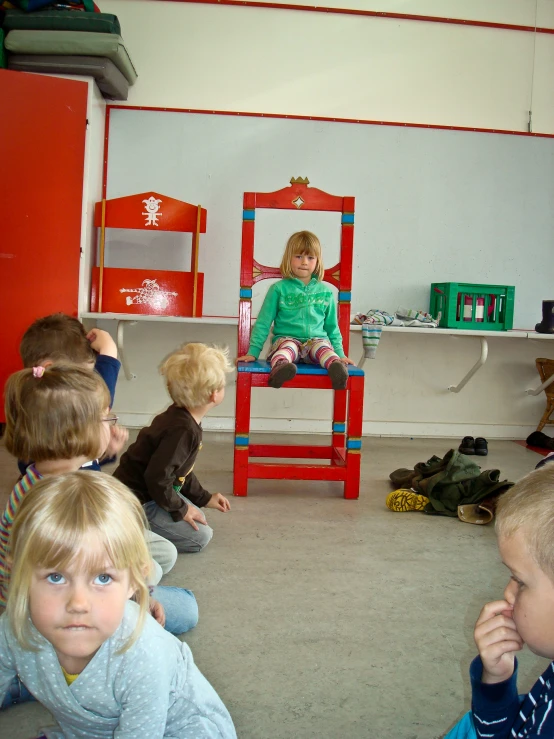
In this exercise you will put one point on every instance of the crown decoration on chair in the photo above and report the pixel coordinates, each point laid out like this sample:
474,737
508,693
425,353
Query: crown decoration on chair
299,181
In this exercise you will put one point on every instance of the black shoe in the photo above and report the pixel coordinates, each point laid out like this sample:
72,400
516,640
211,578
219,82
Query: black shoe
481,447
467,446
282,372
338,374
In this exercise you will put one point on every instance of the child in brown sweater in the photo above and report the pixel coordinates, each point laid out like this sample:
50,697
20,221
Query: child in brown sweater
158,467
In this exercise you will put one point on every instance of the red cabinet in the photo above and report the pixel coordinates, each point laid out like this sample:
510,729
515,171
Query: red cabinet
42,148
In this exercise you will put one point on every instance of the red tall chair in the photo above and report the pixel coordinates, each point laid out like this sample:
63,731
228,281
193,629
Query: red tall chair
345,449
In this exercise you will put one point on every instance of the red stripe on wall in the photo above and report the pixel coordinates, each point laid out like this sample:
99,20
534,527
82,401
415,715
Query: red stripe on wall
371,14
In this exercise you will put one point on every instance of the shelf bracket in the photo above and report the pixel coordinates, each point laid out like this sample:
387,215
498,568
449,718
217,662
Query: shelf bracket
542,387
121,349
476,367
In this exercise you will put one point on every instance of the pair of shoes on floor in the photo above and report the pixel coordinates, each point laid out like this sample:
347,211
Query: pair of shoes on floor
284,371
406,500
477,446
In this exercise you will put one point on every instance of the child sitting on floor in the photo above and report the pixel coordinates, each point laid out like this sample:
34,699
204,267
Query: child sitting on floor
62,338
525,529
303,311
95,659
158,467
59,417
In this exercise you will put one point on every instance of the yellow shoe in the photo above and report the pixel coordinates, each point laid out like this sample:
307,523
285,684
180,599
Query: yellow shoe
406,500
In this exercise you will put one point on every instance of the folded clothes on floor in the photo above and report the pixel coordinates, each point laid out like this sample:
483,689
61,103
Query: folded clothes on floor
374,320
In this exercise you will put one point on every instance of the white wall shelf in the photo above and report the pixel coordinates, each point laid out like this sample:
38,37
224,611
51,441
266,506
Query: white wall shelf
132,318
128,319
484,349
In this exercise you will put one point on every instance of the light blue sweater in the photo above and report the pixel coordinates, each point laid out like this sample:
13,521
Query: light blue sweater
152,691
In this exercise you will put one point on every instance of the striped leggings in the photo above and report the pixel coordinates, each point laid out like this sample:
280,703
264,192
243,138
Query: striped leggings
314,351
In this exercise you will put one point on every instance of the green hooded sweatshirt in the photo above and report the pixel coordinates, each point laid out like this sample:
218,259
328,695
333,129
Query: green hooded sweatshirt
297,311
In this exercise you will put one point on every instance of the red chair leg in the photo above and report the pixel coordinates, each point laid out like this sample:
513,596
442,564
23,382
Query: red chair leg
354,441
339,419
242,433
353,468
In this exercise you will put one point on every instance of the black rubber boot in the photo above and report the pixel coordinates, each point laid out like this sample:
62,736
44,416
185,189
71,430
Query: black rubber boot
546,326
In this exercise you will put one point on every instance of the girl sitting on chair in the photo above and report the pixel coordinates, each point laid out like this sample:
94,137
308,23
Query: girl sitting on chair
303,312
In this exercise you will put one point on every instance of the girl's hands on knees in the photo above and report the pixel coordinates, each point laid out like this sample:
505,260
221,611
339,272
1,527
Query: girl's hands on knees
220,502
157,611
497,640
192,516
246,358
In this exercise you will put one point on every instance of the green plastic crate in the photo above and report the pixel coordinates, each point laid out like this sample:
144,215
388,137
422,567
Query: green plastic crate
468,306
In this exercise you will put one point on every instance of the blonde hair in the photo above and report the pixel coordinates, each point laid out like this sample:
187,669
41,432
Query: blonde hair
529,507
56,415
195,371
56,518
302,242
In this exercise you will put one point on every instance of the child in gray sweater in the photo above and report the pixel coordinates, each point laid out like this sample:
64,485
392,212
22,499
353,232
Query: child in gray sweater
95,659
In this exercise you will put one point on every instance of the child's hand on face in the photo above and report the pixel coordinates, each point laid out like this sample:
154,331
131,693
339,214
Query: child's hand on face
192,516
119,436
220,502
246,358
102,342
497,639
157,611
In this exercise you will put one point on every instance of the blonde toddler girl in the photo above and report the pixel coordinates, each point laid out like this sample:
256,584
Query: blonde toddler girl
95,659
59,416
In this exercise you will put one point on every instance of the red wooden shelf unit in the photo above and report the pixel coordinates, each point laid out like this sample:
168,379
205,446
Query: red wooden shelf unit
343,456
148,291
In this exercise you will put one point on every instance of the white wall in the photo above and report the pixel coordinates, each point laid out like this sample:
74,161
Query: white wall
431,205
406,385
280,61
92,190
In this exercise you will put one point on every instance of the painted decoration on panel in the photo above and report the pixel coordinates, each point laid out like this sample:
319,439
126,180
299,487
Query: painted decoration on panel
147,292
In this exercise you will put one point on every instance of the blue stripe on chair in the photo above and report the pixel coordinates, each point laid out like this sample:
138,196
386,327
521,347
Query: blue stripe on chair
241,440
353,443
347,218
245,292
339,428
261,367
248,215
345,297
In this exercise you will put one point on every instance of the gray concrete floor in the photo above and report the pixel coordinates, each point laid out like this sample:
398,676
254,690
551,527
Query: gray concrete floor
322,618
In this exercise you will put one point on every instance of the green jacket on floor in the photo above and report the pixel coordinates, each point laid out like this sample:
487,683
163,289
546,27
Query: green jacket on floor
450,482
